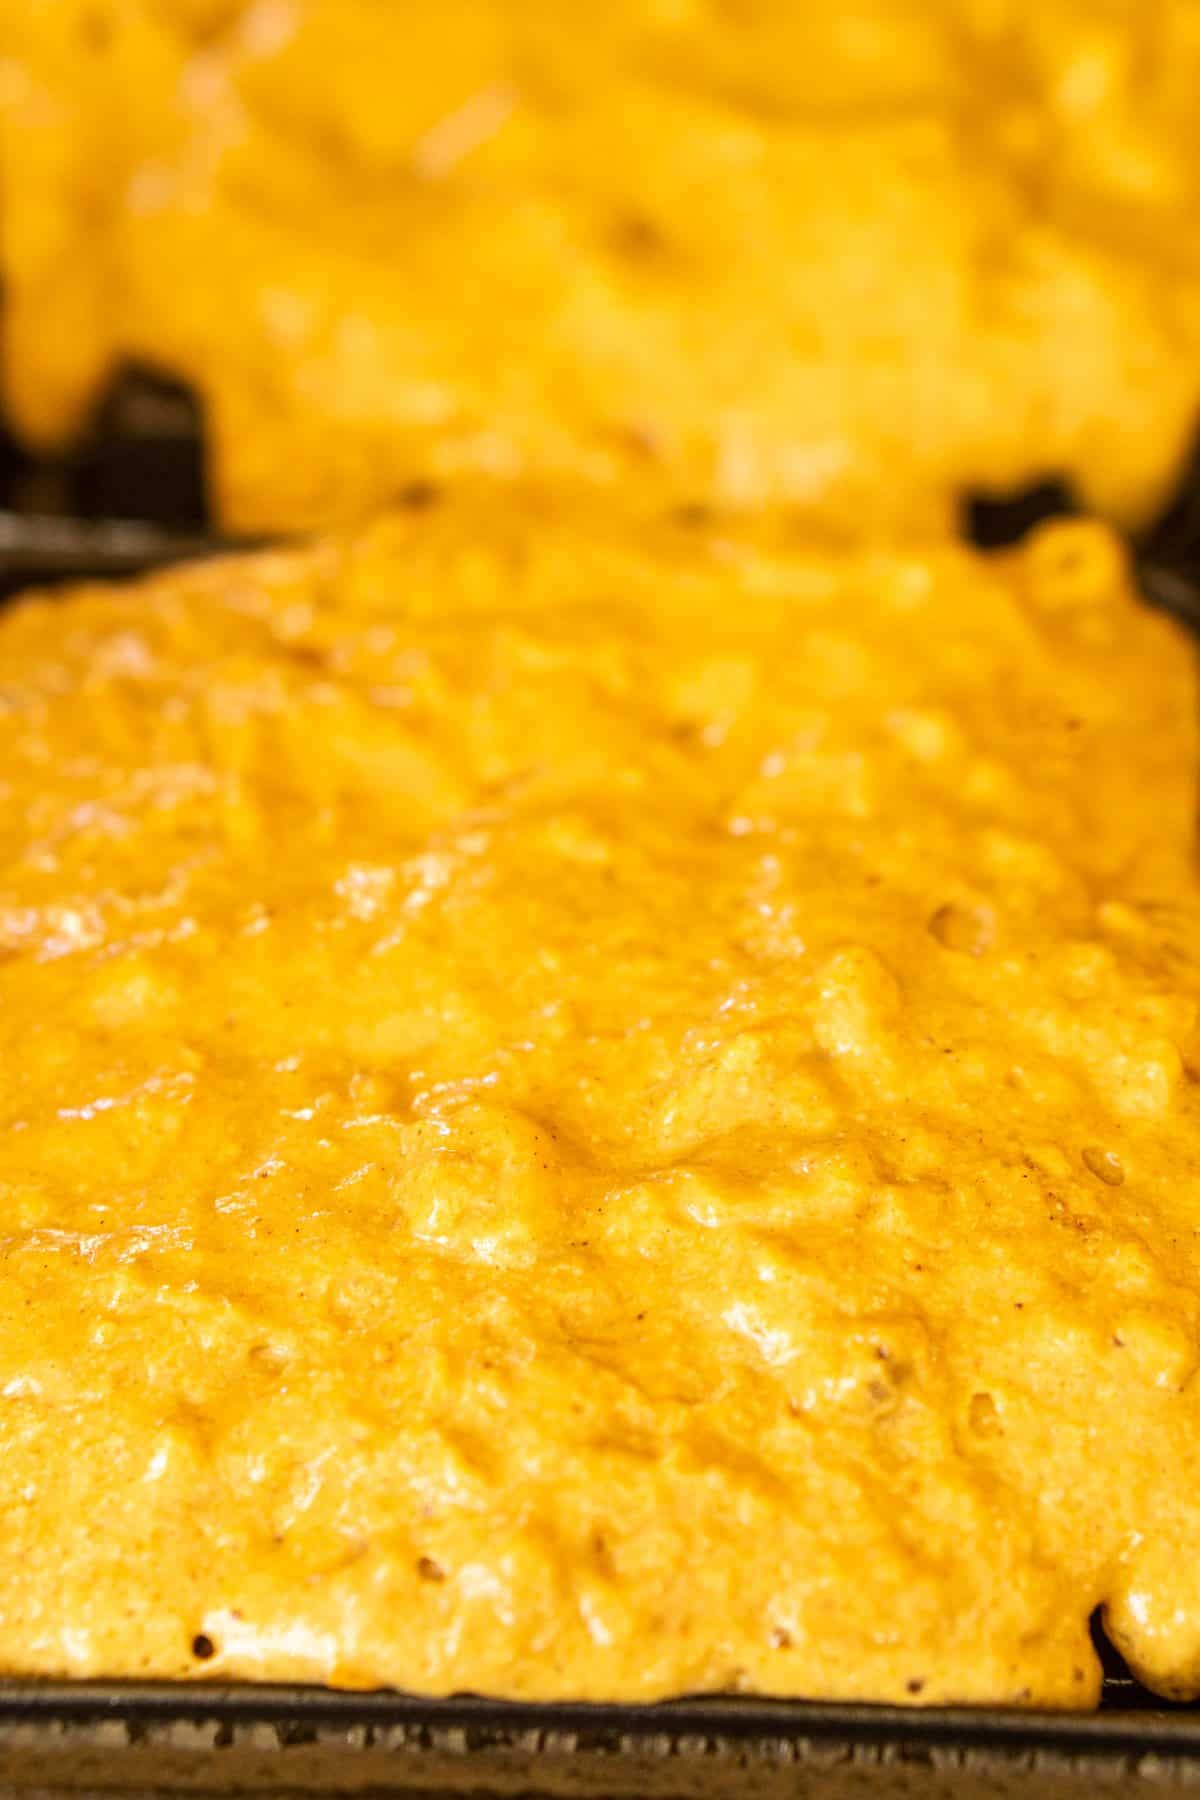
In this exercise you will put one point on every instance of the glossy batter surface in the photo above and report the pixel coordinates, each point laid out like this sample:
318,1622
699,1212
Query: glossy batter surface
601,1111
848,258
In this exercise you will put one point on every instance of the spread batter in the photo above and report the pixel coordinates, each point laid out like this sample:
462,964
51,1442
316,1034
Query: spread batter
849,258
601,1111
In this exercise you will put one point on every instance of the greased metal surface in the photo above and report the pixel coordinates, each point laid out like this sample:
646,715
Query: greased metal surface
601,1110
852,259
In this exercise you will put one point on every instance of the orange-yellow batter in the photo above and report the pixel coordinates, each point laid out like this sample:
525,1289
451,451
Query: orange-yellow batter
601,1110
852,258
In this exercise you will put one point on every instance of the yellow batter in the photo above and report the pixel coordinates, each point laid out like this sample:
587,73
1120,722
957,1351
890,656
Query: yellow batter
601,1110
851,258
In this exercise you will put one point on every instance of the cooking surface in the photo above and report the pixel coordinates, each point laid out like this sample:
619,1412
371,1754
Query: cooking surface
505,1122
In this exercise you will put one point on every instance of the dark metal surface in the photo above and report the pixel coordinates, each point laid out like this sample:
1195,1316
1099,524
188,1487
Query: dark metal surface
300,1710
41,548
160,1739
131,498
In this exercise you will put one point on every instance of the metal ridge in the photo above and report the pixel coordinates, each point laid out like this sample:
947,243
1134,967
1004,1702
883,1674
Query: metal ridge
1173,1730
